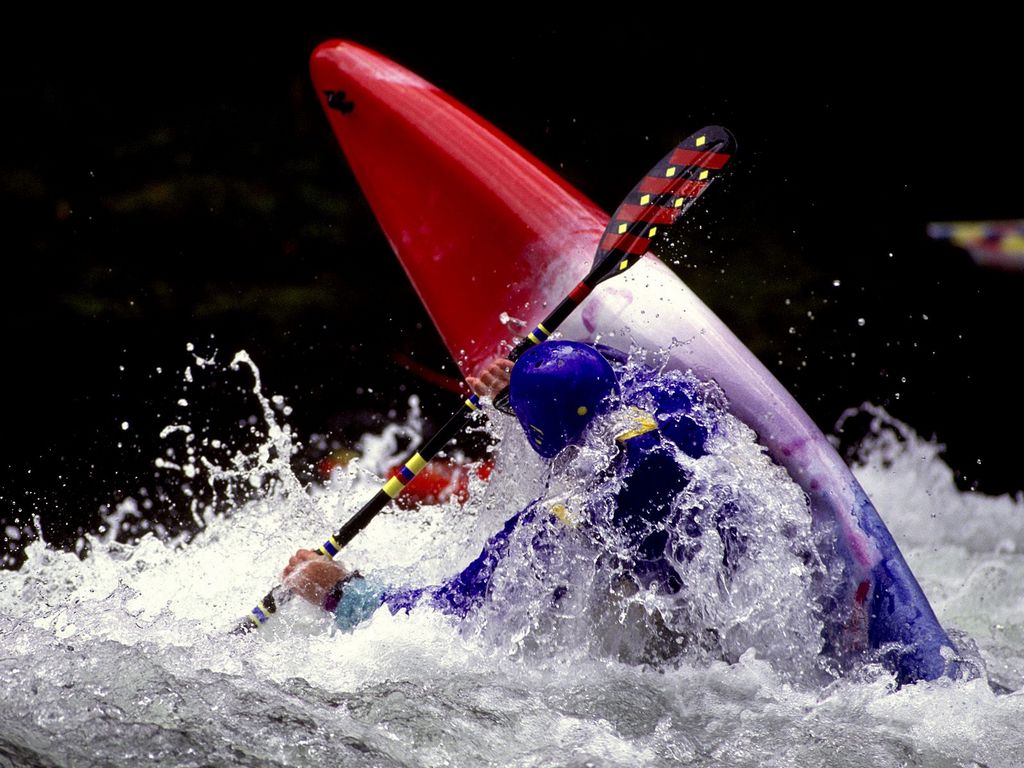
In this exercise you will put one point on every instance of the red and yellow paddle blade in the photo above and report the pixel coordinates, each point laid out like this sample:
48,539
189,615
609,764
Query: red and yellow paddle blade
662,196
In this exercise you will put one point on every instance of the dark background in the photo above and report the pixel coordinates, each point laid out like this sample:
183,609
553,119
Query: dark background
181,185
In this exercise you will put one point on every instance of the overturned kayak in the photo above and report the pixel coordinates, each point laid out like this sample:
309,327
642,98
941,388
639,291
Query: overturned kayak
486,233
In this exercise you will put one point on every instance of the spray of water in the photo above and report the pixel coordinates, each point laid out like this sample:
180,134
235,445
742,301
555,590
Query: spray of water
118,655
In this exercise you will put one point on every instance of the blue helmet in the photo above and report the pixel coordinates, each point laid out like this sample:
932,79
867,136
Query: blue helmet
556,390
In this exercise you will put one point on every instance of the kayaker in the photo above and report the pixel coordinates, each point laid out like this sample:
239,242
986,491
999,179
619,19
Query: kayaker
559,390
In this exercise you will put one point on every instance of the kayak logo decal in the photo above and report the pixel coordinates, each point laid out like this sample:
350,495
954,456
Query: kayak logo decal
336,100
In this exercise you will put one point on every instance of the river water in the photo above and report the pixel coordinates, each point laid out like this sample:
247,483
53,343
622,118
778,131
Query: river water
119,655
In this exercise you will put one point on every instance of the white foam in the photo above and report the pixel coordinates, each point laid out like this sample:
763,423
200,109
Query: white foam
120,656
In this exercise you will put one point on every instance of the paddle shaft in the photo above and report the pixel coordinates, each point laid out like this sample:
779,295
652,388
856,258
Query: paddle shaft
277,596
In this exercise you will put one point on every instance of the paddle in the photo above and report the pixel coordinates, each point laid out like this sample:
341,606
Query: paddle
662,195
665,193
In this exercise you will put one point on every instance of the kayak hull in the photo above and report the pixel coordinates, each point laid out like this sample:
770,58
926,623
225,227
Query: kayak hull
489,235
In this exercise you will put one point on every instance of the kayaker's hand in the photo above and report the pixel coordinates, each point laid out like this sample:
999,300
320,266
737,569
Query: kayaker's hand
492,379
311,575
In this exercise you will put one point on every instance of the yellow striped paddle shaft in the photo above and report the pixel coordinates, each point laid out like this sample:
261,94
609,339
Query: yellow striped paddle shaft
273,600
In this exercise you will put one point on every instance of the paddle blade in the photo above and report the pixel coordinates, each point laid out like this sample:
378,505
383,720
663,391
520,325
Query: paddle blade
662,196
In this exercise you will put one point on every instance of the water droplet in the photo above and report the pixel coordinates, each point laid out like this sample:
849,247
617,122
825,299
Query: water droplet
860,321
836,283
124,426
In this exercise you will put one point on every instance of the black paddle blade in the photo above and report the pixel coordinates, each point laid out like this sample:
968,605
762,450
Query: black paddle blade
662,196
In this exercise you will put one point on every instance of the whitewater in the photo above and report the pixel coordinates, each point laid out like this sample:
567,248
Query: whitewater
118,653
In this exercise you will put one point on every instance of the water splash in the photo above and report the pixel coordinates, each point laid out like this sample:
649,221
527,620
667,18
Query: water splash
118,656
966,548
753,579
